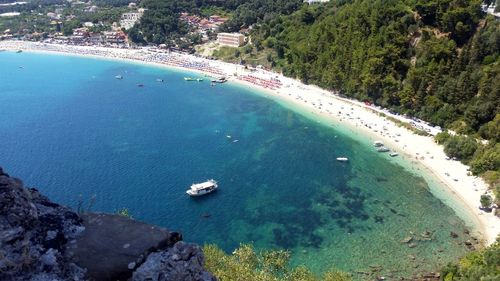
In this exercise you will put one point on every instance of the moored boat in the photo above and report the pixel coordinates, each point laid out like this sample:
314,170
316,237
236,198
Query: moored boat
342,159
193,79
220,80
119,77
383,149
378,143
198,189
393,154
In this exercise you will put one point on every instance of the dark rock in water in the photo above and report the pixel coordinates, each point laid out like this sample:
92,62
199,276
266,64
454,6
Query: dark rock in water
181,262
453,234
379,219
41,240
119,242
426,234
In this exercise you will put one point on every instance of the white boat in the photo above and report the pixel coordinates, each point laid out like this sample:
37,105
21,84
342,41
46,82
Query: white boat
393,154
342,159
378,143
193,79
198,189
383,149
119,77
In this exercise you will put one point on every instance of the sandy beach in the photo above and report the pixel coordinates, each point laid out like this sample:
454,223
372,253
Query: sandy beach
418,151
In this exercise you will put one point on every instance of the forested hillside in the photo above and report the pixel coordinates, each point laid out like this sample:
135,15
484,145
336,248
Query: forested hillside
435,60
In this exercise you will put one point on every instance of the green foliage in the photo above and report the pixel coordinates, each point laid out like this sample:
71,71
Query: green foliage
160,23
491,130
246,264
442,137
68,27
108,15
461,147
486,159
124,212
486,201
135,35
482,265
249,12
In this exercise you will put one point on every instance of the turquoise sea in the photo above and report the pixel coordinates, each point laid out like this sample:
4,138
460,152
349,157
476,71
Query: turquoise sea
72,130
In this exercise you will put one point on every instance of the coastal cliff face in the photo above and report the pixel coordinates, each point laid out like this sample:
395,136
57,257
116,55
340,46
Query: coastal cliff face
41,240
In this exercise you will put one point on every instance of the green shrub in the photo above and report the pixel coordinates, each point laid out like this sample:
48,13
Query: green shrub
246,264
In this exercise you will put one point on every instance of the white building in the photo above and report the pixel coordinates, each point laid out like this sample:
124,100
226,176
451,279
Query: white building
129,19
231,39
316,1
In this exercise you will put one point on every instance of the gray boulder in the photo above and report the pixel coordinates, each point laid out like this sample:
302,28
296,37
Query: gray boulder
33,233
112,245
182,262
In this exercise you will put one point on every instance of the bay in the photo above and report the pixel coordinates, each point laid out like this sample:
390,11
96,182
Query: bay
72,130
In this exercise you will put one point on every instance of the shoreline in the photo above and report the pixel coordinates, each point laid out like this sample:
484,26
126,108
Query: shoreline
415,152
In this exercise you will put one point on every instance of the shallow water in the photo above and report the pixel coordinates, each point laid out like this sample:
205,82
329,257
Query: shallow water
74,132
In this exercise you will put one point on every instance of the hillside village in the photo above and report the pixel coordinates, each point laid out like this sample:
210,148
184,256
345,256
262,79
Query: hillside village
88,24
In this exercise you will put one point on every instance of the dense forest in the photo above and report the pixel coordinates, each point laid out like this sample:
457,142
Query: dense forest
435,60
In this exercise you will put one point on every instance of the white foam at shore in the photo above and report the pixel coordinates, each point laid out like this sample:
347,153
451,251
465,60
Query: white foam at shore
318,101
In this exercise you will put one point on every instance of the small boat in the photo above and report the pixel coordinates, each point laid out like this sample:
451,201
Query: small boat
159,80
228,136
378,143
19,51
140,85
383,149
236,141
220,80
119,77
342,159
193,79
393,154
198,189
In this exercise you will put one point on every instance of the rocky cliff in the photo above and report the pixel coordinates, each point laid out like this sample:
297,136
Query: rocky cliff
41,240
